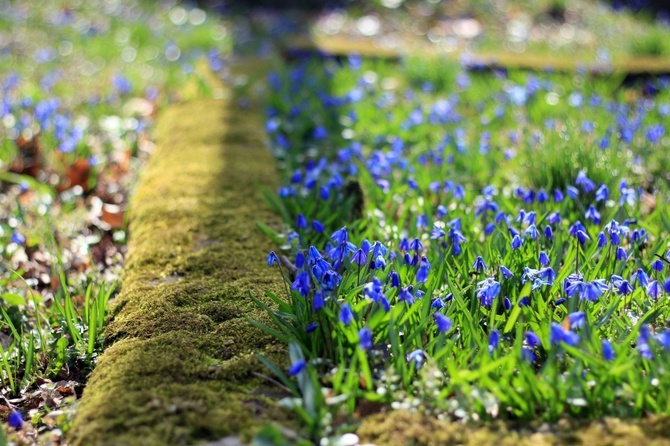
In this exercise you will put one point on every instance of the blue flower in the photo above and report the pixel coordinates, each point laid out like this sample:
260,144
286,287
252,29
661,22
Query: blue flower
577,320
301,222
527,354
17,238
641,278
557,335
300,260
506,273
547,274
297,367
418,356
602,193
318,227
558,196
623,287
394,279
346,315
487,291
443,323
608,351
645,350
365,338
437,232
302,283
416,245
582,237
592,214
479,265
313,255
554,218
602,241
548,232
272,258
584,181
531,339
657,265
340,236
318,302
311,327
437,304
406,295
663,338
621,254
324,193
531,231
494,341
653,290
516,242
330,280
15,420
572,191
424,269
544,258
507,303
360,257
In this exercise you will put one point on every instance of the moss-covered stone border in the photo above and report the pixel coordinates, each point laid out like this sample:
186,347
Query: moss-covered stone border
180,365
402,428
341,45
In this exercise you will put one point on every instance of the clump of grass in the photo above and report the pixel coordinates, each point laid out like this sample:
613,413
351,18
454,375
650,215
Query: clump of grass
46,337
439,73
555,162
653,42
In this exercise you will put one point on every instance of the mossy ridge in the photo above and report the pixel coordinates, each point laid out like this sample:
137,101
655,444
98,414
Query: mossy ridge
400,428
179,366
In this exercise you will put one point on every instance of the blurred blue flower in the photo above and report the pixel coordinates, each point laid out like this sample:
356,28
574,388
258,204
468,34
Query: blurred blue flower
365,338
608,351
531,339
443,323
15,420
297,367
494,340
346,315
17,238
557,335
418,356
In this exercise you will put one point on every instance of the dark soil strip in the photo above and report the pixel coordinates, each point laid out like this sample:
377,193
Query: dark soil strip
180,363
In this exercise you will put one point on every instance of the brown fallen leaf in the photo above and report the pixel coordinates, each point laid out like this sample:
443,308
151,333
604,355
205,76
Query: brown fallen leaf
77,174
65,390
112,214
29,159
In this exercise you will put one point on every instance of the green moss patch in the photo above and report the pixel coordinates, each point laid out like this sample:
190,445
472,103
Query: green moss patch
180,365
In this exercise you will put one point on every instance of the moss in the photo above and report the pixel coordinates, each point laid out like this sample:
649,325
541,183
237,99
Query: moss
341,45
180,364
404,428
